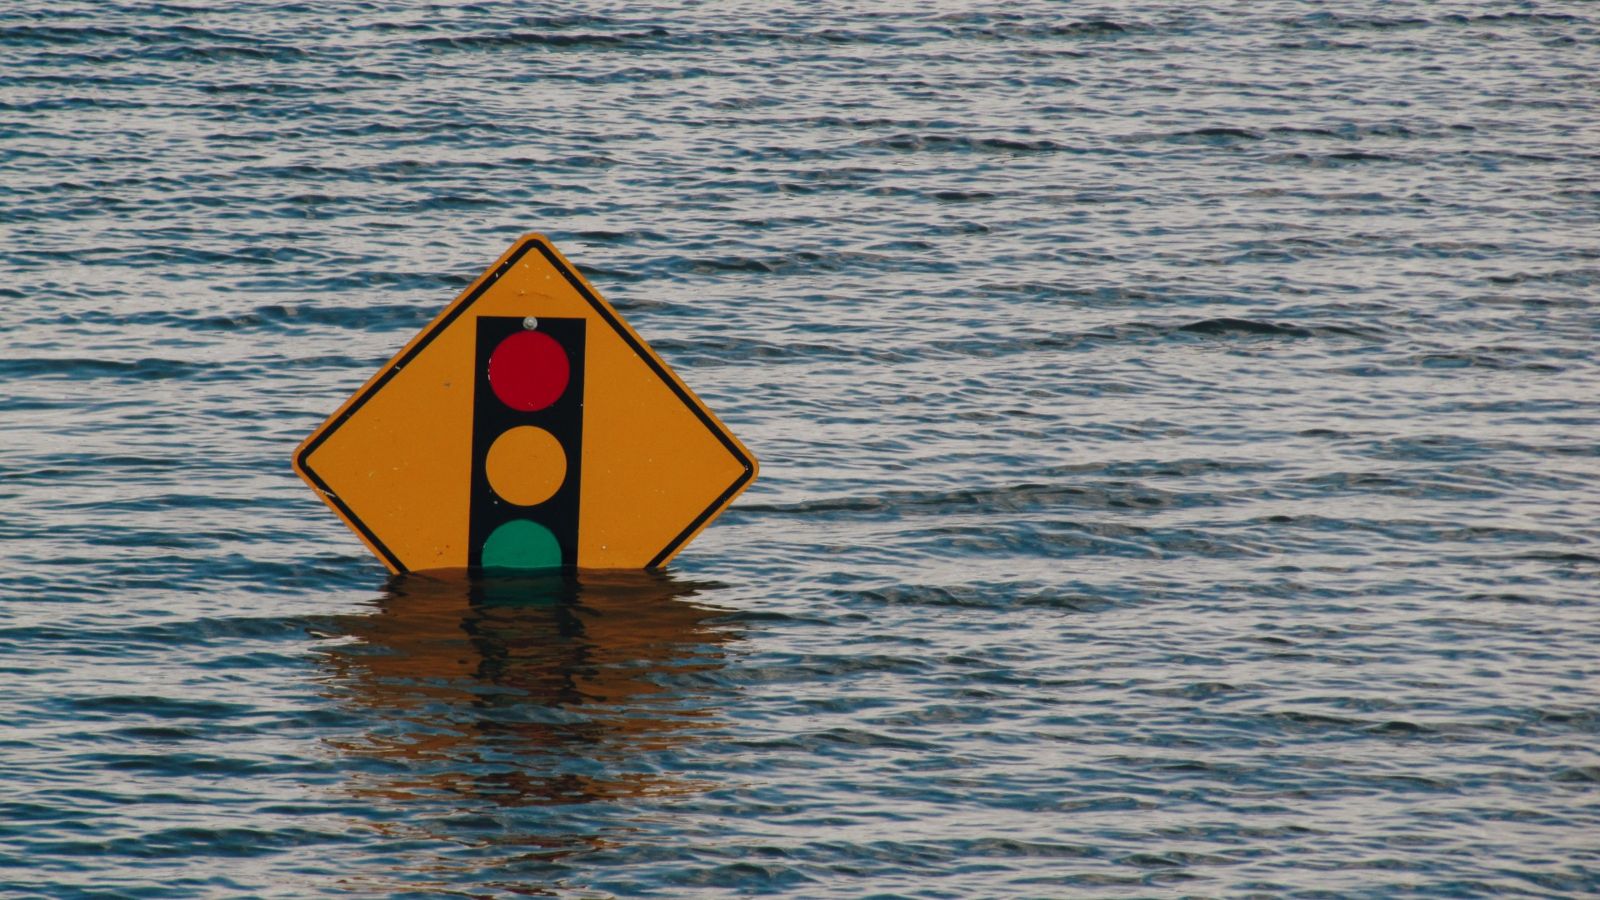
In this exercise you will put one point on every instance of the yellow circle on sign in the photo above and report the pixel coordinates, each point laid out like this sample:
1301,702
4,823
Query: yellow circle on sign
526,465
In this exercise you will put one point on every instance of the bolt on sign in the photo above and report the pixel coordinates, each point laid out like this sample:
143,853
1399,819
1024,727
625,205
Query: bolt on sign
526,427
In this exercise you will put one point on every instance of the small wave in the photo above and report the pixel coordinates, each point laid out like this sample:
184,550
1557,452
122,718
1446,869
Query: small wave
56,35
792,262
1515,18
1583,277
709,351
1357,131
515,39
985,345
1227,326
1215,136
1000,498
1357,23
1334,160
982,596
1470,359
155,706
955,143
1089,27
983,27
74,368
270,317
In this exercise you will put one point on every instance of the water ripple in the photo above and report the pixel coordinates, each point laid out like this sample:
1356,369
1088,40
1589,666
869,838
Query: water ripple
1176,429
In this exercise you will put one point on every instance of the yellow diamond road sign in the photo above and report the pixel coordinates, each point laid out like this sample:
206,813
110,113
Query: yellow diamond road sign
527,426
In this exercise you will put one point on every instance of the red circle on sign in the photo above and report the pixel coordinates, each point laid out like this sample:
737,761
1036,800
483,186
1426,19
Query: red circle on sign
528,371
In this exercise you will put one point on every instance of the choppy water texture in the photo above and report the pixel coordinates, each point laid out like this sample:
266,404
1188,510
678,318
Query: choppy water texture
1178,429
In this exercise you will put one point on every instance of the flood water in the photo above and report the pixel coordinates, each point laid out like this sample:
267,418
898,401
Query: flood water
1178,431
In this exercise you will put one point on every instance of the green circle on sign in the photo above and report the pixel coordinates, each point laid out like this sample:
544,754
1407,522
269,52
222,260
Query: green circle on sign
520,544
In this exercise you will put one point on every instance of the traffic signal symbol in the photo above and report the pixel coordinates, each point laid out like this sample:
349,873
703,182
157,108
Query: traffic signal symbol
527,443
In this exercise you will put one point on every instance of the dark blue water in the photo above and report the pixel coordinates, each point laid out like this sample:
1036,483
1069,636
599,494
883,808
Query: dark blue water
1178,431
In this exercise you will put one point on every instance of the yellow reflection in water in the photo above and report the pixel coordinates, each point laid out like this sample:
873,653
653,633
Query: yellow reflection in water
524,691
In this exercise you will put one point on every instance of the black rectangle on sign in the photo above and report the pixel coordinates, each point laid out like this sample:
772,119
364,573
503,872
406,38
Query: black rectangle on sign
520,397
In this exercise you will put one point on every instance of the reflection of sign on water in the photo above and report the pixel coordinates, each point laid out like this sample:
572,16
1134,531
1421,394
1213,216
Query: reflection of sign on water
526,427
525,692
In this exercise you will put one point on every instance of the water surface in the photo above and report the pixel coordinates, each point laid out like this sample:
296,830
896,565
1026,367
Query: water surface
1177,425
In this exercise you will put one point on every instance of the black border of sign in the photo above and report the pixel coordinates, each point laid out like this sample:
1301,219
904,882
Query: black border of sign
610,318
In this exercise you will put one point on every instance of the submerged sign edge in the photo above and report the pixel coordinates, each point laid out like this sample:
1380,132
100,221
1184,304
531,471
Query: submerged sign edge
447,317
